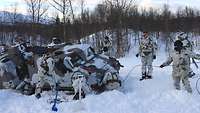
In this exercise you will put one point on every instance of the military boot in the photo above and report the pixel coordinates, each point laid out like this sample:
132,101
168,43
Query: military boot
177,86
143,76
191,74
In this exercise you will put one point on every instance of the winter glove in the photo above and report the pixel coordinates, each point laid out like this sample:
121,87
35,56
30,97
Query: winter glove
161,66
154,56
137,55
105,49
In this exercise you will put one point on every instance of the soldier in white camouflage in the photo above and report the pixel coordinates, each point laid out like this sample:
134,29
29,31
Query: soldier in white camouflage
46,74
106,45
181,66
187,44
147,51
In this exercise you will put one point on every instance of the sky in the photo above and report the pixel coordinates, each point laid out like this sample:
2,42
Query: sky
174,4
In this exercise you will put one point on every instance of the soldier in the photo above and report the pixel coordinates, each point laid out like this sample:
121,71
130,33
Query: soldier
147,52
46,74
55,43
188,46
21,46
25,55
106,44
180,66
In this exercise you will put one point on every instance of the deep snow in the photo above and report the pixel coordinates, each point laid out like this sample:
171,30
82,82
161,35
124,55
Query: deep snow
149,96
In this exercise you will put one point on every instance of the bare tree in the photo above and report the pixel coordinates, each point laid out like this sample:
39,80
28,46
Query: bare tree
36,8
14,13
118,10
41,9
64,7
32,7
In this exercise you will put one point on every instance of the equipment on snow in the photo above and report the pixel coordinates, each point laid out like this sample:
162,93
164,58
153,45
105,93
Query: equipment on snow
54,108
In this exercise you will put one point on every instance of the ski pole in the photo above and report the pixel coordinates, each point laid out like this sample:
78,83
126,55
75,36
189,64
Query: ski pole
54,108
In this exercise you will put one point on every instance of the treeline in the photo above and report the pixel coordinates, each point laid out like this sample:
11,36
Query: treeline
111,15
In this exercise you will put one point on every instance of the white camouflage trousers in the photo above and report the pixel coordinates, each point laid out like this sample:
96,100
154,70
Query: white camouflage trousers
147,68
181,75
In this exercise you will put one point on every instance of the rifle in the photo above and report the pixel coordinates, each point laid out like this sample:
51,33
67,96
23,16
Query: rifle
193,61
54,108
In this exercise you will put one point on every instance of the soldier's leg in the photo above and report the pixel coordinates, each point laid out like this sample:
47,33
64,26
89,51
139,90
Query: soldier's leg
39,86
144,65
177,82
186,83
149,66
52,82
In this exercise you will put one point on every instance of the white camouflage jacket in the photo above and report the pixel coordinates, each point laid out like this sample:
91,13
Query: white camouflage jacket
180,59
147,46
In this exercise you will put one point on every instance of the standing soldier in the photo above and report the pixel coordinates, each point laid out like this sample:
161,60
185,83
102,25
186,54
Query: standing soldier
147,52
106,45
187,44
181,66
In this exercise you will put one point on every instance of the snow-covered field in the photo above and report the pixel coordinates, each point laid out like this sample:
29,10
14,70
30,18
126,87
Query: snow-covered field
149,96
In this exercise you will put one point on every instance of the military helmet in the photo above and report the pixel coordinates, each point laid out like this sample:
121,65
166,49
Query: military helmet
178,45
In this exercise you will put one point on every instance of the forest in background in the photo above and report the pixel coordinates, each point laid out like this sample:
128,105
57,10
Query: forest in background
117,16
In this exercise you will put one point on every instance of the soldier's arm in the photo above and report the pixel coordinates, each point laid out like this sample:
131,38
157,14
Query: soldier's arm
155,47
168,62
139,50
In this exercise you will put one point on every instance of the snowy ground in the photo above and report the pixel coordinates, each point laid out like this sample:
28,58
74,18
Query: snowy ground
149,96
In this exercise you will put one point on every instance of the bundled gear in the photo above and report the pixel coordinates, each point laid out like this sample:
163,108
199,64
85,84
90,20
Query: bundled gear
147,52
25,87
8,74
79,83
180,65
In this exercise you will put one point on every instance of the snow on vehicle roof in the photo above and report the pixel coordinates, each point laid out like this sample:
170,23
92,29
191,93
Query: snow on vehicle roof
83,47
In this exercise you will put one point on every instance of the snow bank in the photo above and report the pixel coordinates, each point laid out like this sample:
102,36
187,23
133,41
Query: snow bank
149,96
